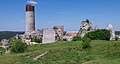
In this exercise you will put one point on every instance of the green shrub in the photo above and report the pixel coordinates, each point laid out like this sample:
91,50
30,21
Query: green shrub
2,50
102,34
76,38
36,40
86,43
18,47
116,38
65,39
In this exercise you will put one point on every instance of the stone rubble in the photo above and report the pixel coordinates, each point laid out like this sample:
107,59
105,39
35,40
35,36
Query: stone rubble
39,56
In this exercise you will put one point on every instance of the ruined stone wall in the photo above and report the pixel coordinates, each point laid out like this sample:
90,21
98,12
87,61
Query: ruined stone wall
84,28
59,32
48,36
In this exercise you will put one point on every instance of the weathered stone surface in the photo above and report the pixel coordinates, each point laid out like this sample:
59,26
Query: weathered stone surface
109,27
85,26
82,32
30,22
39,56
4,42
96,27
30,17
27,37
112,32
48,36
59,32
5,45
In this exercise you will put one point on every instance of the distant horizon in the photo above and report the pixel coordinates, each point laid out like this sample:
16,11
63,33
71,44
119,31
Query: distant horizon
24,31
69,13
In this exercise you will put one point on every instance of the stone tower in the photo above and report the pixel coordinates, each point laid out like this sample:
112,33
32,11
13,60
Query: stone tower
30,17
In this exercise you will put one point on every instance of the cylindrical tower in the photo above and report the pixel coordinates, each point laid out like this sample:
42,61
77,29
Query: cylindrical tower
30,17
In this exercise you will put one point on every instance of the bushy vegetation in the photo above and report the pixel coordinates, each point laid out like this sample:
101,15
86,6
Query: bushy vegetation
76,38
87,20
102,34
116,38
36,40
18,47
65,39
86,43
2,50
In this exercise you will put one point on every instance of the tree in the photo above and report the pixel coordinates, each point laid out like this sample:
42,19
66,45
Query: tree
76,38
87,21
18,47
102,34
38,40
86,43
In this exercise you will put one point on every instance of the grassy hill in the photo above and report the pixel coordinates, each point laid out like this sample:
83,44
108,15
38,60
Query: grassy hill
102,52
8,34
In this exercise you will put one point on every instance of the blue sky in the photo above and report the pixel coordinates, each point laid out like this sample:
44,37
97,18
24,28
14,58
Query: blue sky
68,13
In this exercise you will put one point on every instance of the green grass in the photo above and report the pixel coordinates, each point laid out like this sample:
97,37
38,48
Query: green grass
2,50
102,52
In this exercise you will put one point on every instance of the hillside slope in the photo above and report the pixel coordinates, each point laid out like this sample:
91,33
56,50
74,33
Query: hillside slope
102,52
8,34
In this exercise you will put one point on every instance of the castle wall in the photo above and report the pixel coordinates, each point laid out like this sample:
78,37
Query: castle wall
48,36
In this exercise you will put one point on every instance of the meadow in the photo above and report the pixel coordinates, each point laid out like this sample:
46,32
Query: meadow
64,52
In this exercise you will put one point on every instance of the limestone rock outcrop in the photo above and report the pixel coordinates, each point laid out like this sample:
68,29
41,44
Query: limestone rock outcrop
112,32
96,27
85,26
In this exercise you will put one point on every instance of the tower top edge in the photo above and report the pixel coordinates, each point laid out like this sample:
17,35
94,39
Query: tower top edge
32,3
